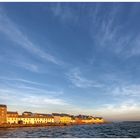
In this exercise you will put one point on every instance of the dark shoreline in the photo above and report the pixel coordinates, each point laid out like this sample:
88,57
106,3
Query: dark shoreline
41,125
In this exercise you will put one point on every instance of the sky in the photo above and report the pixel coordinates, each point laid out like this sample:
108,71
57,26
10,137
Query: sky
77,58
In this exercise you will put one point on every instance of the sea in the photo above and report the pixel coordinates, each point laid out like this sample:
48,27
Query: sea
110,130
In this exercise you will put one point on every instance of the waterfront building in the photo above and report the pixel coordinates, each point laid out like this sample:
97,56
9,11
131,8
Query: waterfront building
43,118
65,118
89,119
78,120
56,117
25,119
12,117
62,118
50,118
26,113
86,120
3,114
93,119
99,120
73,119
28,118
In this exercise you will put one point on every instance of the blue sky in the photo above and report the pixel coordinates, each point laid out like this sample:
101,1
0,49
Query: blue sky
78,58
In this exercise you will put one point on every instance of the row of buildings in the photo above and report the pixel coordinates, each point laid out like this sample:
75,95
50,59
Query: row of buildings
9,117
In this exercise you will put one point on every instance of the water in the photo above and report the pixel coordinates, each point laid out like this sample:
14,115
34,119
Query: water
113,130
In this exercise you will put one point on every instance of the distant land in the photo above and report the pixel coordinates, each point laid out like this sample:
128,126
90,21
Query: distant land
11,119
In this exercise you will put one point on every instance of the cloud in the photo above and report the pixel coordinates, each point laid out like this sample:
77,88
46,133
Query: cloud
103,24
27,97
13,32
109,35
124,111
29,87
134,47
79,81
28,66
43,100
128,90
22,80
64,12
23,62
118,86
11,95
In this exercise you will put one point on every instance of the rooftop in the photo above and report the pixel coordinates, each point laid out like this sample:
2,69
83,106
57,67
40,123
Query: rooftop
22,116
1,105
27,112
55,114
12,112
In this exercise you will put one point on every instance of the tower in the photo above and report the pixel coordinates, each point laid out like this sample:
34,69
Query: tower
3,114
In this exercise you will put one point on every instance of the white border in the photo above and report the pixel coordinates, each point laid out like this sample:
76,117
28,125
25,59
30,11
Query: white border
71,138
70,1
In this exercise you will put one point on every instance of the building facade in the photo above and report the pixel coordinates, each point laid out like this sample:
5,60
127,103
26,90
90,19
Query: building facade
26,113
98,120
56,117
12,117
64,118
23,119
3,114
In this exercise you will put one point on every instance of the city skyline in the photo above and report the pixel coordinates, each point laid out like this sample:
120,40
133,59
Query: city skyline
78,58
8,118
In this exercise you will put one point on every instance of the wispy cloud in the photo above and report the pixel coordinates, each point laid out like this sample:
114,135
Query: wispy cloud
43,100
127,90
28,66
120,111
134,47
39,102
120,86
78,80
64,12
108,35
21,80
107,31
9,96
23,62
13,32
29,86
123,110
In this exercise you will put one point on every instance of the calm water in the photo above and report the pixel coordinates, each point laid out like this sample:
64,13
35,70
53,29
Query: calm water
120,130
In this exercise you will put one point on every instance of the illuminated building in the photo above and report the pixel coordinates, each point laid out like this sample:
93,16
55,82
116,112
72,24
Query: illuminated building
3,114
99,120
56,117
65,118
10,117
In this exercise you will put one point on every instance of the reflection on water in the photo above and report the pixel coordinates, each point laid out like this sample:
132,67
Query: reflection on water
125,129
